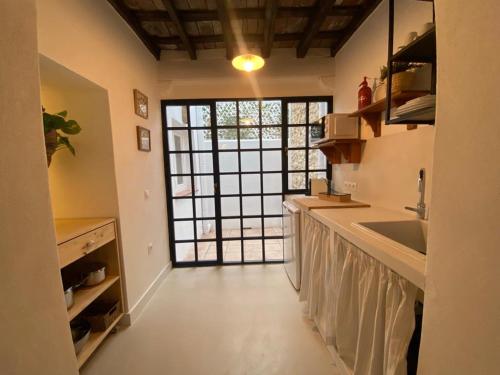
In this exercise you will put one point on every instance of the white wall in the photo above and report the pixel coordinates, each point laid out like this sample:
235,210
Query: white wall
92,40
388,171
212,75
461,329
83,185
35,336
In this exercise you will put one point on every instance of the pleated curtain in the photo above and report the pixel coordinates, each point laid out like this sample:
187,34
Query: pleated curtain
374,318
360,306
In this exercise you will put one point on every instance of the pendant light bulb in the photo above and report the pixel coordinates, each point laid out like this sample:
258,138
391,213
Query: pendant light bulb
248,62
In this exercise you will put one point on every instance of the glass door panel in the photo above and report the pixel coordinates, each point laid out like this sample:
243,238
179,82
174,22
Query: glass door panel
303,129
229,164
192,203
249,141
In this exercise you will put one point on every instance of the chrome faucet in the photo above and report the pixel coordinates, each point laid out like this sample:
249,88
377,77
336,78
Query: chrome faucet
421,208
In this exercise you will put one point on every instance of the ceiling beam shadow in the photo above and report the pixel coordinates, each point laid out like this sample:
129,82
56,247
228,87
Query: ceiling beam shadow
223,16
270,13
355,23
172,12
323,8
135,25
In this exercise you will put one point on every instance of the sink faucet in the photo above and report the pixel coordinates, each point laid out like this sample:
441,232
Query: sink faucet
420,209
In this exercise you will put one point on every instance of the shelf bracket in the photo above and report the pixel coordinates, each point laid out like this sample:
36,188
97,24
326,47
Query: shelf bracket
351,152
373,119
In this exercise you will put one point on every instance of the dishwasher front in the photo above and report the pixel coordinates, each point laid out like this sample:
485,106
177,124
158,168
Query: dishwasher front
291,243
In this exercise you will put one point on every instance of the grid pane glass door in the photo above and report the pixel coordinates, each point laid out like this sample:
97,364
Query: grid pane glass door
303,128
228,165
192,200
249,153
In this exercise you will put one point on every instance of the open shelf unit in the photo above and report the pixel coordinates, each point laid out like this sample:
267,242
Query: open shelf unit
421,50
83,297
335,149
372,113
95,340
84,241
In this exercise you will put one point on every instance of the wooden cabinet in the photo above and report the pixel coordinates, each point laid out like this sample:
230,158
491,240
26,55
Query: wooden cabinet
72,250
84,241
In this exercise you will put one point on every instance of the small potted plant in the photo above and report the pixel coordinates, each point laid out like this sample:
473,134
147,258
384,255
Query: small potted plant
54,126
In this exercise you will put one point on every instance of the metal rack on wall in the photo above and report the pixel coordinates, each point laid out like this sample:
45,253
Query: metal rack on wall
421,50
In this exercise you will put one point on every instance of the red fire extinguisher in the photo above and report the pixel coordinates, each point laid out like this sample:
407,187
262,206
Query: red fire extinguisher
364,95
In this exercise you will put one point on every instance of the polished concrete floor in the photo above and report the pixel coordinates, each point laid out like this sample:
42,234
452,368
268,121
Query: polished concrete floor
227,320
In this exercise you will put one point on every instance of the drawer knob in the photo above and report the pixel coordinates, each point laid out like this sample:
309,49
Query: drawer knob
90,243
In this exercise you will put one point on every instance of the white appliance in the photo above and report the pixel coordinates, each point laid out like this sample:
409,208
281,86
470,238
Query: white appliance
340,126
291,242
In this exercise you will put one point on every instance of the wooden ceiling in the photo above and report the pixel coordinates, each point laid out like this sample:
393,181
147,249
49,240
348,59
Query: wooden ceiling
240,25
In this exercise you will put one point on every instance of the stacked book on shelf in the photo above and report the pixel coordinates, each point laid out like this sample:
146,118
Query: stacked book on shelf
422,108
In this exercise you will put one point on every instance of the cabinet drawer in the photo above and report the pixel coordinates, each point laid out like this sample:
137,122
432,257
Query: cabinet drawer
86,243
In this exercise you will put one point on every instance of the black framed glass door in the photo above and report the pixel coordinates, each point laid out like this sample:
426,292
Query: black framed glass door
228,165
191,180
249,147
303,128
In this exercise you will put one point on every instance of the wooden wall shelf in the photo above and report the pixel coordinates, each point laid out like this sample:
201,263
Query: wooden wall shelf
350,149
372,113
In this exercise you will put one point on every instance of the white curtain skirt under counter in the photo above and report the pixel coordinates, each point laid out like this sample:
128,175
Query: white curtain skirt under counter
374,318
317,276
360,307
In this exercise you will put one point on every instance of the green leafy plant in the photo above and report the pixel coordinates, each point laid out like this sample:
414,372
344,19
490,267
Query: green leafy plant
54,126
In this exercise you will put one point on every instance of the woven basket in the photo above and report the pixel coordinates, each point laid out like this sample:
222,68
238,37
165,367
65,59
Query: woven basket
380,92
400,82
403,81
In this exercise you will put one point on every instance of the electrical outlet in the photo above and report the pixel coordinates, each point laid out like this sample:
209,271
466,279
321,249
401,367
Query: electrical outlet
350,186
150,248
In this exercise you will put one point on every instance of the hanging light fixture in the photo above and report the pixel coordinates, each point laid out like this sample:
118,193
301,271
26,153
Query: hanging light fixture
248,62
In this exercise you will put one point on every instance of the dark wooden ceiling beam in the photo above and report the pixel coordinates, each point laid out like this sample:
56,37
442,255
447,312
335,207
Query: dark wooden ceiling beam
314,23
335,10
223,16
135,25
357,21
172,12
269,20
256,38
194,15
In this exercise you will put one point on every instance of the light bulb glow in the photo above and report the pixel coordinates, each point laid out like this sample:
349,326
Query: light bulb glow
248,62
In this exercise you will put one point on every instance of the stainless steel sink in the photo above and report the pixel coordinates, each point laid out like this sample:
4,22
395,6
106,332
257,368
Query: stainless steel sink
410,233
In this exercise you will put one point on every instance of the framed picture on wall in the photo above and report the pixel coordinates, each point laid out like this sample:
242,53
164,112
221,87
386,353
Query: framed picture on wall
143,139
140,104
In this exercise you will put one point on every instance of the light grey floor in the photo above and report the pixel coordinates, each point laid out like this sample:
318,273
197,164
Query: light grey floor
227,320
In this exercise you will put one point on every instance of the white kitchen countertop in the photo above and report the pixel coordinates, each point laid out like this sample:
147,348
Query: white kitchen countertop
407,262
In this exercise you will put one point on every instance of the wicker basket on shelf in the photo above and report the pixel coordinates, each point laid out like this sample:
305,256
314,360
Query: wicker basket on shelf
400,82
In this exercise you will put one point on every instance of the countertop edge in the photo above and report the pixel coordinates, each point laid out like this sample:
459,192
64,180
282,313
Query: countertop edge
408,264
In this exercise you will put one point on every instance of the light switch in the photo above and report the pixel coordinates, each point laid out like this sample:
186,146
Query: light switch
147,193
150,248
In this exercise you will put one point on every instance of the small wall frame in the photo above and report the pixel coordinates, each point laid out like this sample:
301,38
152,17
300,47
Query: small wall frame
143,139
141,104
